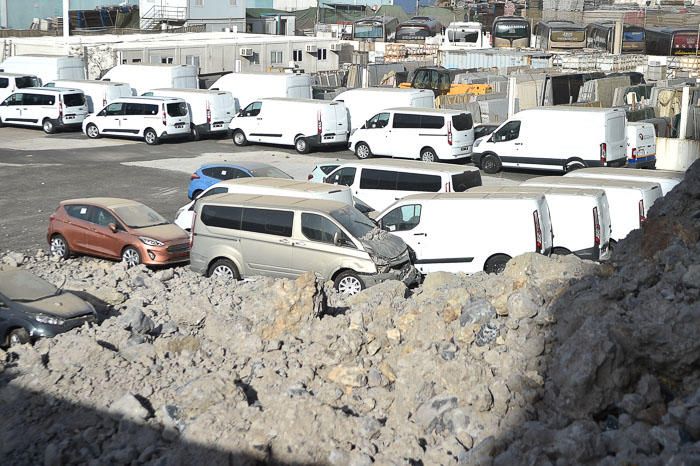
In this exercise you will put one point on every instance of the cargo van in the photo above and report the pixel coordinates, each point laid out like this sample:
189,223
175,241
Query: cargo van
580,218
248,87
150,118
142,77
302,123
410,133
238,235
45,67
667,179
629,201
210,111
641,145
555,139
266,187
469,232
49,109
97,93
379,183
364,103
11,82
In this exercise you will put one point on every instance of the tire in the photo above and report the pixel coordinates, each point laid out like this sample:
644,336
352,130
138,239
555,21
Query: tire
224,268
131,256
194,134
491,164
301,145
92,131
561,251
196,194
348,283
58,246
428,155
48,126
18,336
496,263
573,165
239,138
362,151
151,137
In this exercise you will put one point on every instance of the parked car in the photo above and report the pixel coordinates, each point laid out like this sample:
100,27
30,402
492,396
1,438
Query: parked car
12,82
239,235
641,145
379,183
116,229
210,174
49,109
321,170
150,118
97,93
411,133
32,308
667,179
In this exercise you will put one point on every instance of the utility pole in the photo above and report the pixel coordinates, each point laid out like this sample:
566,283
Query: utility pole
66,24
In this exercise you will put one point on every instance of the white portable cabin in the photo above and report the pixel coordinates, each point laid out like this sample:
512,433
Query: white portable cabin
97,93
248,87
667,179
142,77
45,67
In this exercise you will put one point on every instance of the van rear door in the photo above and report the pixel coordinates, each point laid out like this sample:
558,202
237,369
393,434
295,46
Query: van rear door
341,120
615,136
462,132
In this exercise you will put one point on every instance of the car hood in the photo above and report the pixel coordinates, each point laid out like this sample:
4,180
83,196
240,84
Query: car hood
164,233
64,305
383,247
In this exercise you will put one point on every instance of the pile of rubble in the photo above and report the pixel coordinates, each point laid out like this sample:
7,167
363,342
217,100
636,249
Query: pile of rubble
554,361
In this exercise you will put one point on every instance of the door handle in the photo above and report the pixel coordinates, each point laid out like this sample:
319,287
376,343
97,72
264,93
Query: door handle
258,118
298,243
284,241
420,234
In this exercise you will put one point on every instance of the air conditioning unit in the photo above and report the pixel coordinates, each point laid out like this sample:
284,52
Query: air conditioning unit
311,48
336,47
246,52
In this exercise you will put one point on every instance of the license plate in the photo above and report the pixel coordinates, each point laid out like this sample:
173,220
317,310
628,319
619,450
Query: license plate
179,125
464,148
70,117
218,125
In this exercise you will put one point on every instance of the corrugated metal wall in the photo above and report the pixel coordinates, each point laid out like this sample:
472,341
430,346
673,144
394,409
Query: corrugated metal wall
500,59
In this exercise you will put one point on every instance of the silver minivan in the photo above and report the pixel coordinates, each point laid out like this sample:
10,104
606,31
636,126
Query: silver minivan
239,235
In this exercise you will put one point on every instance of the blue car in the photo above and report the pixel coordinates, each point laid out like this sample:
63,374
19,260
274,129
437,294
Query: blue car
210,174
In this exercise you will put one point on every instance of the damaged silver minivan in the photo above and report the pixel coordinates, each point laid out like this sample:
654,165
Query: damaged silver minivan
239,235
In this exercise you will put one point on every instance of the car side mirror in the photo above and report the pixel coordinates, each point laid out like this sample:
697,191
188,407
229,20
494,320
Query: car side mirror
336,238
113,227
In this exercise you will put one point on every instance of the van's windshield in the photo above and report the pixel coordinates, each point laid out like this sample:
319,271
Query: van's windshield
357,224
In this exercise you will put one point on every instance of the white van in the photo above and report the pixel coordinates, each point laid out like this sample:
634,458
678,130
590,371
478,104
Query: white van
555,138
469,232
247,87
629,201
580,218
142,77
45,67
150,118
465,35
266,187
210,111
667,179
302,123
364,103
379,183
50,109
409,133
641,145
97,93
11,82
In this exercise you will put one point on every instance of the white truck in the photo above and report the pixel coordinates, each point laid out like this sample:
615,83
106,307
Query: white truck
142,77
45,67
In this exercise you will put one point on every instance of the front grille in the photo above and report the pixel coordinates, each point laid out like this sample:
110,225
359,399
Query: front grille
179,247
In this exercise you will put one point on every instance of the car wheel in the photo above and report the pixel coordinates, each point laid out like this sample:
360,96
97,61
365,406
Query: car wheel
150,136
428,155
59,247
131,256
194,134
196,194
348,283
561,251
496,263
301,145
573,165
239,138
491,164
18,336
224,268
48,126
92,131
362,151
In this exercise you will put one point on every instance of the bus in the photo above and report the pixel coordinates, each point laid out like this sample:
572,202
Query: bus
468,35
601,36
375,29
560,35
417,29
510,31
672,41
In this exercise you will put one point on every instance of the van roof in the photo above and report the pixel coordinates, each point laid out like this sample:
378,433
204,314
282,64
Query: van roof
188,91
298,101
587,192
50,90
148,99
89,81
635,172
286,184
472,195
566,108
278,202
590,182
16,75
393,164
431,111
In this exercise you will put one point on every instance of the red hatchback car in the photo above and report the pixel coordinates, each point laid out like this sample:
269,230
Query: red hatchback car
116,229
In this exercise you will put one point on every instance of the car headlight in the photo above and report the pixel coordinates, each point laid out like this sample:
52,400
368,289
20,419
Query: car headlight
477,142
150,241
44,319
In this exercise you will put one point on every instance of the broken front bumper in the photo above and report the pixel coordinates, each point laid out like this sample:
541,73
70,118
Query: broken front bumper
407,274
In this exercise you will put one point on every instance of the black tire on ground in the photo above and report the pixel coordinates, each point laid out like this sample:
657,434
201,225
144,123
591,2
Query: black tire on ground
496,263
491,164
150,136
428,155
362,151
301,145
573,165
48,126
224,268
18,336
131,256
348,282
560,251
194,133
58,246
92,131
239,138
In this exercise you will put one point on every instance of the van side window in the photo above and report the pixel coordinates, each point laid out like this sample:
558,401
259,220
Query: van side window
418,182
343,177
405,120
222,216
271,222
377,179
507,132
252,109
318,228
403,218
38,99
432,122
379,120
4,83
131,108
14,99
77,211
116,108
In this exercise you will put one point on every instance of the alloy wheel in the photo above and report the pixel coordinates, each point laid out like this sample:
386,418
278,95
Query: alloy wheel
131,257
349,285
222,271
58,246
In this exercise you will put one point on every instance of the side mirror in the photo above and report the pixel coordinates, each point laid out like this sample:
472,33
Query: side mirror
113,227
336,238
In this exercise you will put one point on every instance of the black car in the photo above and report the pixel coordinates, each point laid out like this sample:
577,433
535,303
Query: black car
31,308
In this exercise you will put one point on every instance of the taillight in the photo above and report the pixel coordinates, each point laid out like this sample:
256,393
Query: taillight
310,177
603,152
449,133
165,120
634,153
596,227
642,217
194,176
319,123
538,231
208,113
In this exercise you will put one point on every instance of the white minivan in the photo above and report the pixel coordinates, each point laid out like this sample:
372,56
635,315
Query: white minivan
555,139
266,187
410,133
629,201
210,111
379,183
97,93
302,123
11,82
580,218
363,103
667,179
641,145
150,118
248,87
142,77
469,232
49,109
